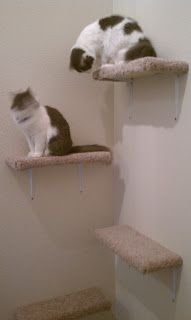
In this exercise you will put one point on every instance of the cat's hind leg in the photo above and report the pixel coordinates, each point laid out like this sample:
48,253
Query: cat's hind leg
58,147
141,49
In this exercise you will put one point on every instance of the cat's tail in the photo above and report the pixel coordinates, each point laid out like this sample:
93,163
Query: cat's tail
88,148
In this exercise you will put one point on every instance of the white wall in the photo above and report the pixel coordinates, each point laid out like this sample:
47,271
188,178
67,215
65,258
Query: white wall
152,164
47,246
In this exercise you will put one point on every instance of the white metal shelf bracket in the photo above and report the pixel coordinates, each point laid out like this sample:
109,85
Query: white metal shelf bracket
30,179
177,95
174,283
131,97
80,173
81,176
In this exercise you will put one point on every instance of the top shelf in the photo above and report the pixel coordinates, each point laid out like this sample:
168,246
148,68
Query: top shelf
24,163
142,67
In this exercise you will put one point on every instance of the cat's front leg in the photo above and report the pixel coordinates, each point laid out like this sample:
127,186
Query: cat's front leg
106,62
31,146
121,56
30,154
105,59
40,145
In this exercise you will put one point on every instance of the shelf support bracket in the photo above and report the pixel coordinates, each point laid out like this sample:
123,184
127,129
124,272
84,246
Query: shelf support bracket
81,176
177,95
174,283
131,97
30,179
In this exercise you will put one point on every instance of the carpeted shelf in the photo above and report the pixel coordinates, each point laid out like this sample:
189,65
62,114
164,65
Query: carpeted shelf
72,306
138,250
23,163
140,68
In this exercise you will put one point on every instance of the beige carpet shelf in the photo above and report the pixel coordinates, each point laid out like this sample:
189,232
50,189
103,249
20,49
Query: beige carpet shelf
142,67
24,163
72,306
138,250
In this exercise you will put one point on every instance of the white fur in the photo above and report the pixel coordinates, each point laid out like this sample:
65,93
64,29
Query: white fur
37,129
109,45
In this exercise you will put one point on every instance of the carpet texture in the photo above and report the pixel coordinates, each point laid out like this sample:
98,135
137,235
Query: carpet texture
138,250
72,306
23,163
140,68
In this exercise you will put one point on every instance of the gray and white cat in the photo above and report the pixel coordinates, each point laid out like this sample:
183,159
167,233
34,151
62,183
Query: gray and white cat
46,130
111,40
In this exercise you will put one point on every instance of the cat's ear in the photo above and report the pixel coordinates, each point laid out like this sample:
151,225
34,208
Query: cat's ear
32,94
30,91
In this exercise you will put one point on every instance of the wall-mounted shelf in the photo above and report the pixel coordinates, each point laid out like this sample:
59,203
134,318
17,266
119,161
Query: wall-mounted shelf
139,251
142,67
26,163
72,306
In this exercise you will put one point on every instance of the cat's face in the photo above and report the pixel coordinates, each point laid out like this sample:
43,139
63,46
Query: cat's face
24,100
80,60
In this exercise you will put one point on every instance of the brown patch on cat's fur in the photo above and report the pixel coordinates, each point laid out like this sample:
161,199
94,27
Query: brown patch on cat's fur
129,27
61,144
110,21
58,146
142,49
20,100
80,61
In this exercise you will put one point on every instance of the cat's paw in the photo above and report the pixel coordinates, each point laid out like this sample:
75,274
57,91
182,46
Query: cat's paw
30,154
35,154
107,65
120,63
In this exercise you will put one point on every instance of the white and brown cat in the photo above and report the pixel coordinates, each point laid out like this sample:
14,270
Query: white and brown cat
110,40
46,130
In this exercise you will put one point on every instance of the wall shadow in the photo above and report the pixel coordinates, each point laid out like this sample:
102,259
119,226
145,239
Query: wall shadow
107,111
153,291
153,102
119,192
65,226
